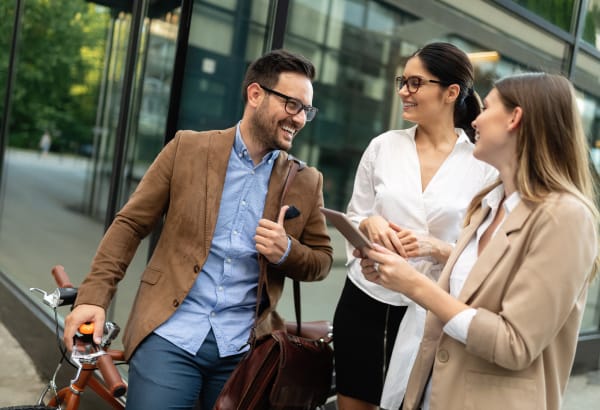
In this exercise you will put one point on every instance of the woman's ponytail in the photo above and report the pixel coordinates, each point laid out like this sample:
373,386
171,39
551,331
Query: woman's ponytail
466,109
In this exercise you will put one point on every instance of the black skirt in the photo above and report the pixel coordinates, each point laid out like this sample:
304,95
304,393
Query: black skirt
364,335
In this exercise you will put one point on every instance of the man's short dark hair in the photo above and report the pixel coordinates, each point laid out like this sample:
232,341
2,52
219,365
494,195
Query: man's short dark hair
266,69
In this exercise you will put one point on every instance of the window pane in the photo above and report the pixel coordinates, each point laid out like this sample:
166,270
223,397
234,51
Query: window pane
69,85
515,37
221,45
46,216
589,107
591,31
559,13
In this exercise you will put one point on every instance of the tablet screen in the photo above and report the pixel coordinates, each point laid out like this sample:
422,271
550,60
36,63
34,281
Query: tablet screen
343,224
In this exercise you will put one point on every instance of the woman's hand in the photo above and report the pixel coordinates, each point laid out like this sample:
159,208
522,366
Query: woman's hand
378,230
388,269
422,245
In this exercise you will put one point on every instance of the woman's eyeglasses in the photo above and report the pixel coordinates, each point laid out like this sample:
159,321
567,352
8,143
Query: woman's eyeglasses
413,83
293,105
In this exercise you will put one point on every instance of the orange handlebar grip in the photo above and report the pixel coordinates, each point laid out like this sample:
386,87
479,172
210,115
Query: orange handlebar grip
86,328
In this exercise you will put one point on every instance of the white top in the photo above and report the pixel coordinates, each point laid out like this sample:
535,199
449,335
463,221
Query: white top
458,326
388,183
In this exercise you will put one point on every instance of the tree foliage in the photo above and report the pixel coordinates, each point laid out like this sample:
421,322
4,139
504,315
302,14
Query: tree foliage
58,70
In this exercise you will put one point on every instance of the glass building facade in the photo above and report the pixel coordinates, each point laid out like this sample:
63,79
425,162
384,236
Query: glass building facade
157,66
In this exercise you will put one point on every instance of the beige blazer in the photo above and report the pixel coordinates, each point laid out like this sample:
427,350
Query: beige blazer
187,177
529,289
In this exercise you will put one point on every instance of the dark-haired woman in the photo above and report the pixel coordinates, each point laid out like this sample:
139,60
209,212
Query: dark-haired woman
411,191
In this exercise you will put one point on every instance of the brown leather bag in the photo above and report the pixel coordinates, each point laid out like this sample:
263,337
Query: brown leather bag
281,371
288,369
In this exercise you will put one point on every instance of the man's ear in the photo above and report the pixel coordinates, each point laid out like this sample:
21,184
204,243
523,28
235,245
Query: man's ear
255,94
515,121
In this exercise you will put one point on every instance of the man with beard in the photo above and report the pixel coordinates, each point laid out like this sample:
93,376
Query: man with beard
220,192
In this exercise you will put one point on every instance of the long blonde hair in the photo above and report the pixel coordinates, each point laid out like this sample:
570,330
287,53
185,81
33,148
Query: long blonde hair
552,150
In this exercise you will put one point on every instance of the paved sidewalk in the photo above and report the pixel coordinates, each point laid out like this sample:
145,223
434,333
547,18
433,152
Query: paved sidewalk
19,381
20,384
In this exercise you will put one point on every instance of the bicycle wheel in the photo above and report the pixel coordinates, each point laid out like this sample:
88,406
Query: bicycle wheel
30,407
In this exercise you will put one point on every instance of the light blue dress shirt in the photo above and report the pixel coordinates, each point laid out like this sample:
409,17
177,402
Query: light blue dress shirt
224,295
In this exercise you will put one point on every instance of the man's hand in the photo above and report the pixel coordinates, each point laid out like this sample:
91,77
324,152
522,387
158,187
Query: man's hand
83,314
271,239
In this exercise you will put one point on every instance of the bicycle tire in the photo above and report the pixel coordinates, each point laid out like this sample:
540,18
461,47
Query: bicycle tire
28,407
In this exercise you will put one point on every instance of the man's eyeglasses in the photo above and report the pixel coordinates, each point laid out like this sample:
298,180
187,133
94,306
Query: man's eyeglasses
293,105
413,83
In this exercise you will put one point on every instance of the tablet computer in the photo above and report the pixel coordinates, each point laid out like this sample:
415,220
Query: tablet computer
343,224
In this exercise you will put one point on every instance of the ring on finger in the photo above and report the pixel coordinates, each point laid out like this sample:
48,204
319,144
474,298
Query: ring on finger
376,266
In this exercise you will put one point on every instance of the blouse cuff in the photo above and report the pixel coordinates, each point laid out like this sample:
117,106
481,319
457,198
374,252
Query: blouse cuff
458,326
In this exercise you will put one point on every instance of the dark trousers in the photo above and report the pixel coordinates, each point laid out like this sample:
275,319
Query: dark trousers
163,376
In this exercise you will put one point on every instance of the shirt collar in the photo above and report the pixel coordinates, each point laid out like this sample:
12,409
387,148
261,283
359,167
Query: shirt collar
462,135
493,198
242,152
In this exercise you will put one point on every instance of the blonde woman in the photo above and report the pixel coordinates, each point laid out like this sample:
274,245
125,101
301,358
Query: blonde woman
503,320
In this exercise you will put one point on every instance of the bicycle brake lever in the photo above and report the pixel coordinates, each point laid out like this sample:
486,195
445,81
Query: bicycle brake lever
50,299
60,296
80,358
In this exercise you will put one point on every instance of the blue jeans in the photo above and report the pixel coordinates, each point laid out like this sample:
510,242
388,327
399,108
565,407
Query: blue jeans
163,376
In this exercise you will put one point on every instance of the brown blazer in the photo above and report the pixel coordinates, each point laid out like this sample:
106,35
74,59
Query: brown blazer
187,177
529,287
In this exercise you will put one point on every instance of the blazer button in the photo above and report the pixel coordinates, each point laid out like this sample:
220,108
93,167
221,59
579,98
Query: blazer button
175,303
443,356
196,268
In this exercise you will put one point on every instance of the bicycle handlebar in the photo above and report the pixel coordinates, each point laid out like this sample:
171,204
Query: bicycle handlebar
61,278
105,363
111,376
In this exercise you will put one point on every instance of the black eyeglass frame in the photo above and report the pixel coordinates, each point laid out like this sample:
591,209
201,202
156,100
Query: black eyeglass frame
401,81
309,110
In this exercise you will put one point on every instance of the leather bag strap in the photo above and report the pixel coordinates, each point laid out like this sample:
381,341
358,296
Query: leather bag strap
295,166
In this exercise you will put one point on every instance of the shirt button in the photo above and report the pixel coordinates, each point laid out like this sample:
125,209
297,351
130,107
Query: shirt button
443,356
213,314
228,260
220,288
175,303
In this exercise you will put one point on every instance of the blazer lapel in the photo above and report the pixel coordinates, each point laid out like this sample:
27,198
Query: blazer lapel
217,160
495,249
276,182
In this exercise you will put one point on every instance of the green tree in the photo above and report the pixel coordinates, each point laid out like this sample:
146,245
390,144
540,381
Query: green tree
58,69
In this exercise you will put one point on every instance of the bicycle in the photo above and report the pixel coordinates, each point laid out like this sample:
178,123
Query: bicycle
86,358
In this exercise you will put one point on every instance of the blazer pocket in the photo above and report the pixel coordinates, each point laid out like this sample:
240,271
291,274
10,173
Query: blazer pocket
491,392
151,276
